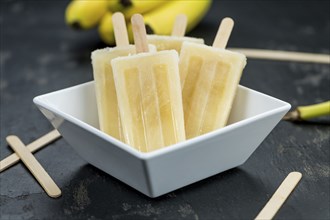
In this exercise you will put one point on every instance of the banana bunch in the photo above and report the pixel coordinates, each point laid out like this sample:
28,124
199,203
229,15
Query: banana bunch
159,15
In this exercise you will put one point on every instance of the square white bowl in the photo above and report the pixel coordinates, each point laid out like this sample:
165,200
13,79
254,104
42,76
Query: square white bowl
73,113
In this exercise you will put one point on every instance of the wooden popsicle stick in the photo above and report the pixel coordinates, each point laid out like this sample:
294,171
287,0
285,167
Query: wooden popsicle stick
180,25
223,34
139,33
279,197
284,55
120,30
32,147
34,166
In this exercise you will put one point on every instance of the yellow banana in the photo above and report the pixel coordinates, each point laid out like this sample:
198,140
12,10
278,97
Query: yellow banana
161,20
308,112
312,111
84,14
106,29
130,7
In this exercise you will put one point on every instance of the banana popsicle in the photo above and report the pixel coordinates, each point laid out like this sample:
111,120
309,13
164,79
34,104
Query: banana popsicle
149,94
209,79
174,42
106,98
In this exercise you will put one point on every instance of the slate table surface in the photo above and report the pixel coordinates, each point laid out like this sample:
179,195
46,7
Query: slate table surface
40,54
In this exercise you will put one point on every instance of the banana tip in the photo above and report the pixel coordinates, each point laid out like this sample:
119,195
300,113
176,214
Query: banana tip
75,25
292,116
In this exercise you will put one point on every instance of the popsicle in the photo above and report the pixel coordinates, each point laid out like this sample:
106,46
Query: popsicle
106,98
209,79
149,94
174,42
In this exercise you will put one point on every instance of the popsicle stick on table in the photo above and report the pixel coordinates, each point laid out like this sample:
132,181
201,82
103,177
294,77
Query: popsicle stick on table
32,147
180,25
284,55
279,197
34,166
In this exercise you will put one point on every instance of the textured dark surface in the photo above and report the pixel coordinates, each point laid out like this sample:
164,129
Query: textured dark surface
40,54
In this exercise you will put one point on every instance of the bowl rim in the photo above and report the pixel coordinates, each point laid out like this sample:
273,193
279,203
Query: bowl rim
39,101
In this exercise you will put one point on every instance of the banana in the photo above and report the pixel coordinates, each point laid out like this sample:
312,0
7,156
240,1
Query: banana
83,14
308,112
313,111
130,7
106,29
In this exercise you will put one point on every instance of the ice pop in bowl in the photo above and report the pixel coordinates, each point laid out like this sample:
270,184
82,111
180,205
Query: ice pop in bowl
149,94
107,104
209,78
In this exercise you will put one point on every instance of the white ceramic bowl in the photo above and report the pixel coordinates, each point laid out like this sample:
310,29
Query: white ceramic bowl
73,112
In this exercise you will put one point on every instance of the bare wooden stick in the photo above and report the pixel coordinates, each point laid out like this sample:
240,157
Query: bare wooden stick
223,34
180,25
284,55
279,197
34,166
139,33
120,30
32,147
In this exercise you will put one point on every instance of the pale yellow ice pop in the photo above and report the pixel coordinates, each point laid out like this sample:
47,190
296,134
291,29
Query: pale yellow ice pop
174,42
210,76
149,94
109,119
